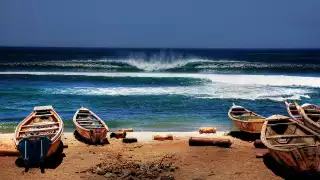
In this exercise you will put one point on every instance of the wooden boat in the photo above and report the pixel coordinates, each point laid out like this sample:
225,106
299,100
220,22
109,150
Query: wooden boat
311,116
90,127
38,135
292,144
245,120
293,111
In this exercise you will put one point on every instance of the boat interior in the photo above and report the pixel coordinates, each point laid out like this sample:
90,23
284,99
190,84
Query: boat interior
313,114
288,134
243,114
294,110
41,123
85,119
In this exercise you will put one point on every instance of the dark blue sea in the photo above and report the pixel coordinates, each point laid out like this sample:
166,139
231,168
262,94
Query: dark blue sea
155,89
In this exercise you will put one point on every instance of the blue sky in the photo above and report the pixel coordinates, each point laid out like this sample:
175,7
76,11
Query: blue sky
163,23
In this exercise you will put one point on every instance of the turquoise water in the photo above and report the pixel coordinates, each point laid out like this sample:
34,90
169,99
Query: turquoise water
158,94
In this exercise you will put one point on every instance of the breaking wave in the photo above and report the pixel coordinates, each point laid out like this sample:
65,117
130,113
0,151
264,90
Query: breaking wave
159,65
210,86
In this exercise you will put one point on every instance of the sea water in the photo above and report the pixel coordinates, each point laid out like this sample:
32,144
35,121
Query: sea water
157,89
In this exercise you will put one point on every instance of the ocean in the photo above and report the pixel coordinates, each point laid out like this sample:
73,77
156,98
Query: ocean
155,89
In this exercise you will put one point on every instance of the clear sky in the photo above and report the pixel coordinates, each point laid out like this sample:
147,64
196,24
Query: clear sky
162,23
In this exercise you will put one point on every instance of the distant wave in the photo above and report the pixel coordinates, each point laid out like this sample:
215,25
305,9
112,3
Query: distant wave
191,65
272,80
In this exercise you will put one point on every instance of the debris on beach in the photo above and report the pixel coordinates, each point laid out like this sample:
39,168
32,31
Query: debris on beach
201,141
126,130
129,140
163,137
132,169
207,130
118,134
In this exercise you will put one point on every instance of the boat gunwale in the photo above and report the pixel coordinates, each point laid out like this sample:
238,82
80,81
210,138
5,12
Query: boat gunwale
305,117
289,111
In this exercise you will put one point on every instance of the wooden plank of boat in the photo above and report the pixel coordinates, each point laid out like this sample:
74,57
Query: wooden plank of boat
42,108
36,136
290,136
37,125
277,124
313,115
286,145
94,127
300,150
42,115
40,130
87,121
84,113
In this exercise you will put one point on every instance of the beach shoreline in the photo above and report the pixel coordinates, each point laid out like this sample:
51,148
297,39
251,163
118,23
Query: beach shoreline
237,162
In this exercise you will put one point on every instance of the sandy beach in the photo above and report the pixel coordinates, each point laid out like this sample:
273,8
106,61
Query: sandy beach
79,160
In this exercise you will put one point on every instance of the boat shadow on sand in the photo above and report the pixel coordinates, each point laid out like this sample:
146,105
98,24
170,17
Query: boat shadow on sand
51,162
81,139
285,172
244,136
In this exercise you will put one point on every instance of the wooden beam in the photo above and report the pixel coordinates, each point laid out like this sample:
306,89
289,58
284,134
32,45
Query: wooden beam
9,152
35,136
40,130
290,136
36,125
314,115
42,115
85,121
281,124
295,144
84,114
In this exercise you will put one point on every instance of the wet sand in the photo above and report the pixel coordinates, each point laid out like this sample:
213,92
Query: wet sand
195,163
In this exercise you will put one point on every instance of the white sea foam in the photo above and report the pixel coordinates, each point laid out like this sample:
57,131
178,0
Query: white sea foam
273,87
156,65
272,80
212,91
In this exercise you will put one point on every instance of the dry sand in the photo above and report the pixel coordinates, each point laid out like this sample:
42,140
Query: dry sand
195,163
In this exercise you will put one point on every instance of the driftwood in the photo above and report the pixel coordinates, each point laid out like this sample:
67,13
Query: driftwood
126,130
201,141
9,152
162,137
207,130
258,144
118,134
129,140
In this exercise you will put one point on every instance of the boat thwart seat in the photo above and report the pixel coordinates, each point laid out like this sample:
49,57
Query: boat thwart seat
40,125
40,130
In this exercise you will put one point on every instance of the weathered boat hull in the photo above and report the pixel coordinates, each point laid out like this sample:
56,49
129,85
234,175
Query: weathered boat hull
39,135
249,127
304,159
289,150
93,135
245,120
